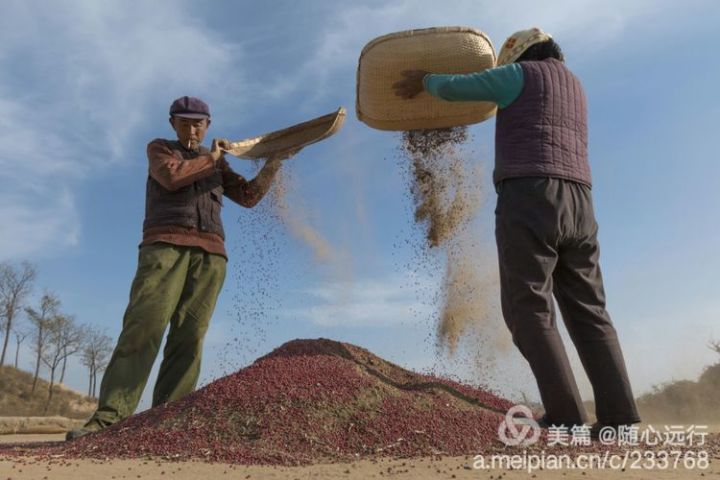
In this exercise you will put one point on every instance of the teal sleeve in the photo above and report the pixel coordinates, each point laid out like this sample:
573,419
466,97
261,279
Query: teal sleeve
501,85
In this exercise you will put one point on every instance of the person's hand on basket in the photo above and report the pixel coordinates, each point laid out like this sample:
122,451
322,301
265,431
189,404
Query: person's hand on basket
411,85
219,146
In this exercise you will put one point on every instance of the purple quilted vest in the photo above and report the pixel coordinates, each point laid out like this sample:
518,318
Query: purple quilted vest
544,132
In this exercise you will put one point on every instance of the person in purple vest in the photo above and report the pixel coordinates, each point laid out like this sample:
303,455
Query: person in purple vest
545,230
181,264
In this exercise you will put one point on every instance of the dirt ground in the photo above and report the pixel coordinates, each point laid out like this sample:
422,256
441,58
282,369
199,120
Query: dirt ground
418,469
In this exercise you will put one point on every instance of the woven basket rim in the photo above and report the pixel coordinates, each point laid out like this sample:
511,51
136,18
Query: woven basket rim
426,31
422,123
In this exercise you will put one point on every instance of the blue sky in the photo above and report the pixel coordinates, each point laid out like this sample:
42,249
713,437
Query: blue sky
85,85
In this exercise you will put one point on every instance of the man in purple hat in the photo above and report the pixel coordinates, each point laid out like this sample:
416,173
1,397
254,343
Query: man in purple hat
181,265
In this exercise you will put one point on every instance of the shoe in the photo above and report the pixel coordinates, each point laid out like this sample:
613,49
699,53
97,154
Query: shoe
545,423
596,427
92,426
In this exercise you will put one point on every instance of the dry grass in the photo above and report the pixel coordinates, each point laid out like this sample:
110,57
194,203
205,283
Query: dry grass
16,399
685,400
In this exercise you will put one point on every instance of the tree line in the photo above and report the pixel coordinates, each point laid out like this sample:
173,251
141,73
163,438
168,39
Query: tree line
54,335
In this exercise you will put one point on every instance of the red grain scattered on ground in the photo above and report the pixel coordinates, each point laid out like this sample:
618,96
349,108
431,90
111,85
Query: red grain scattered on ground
308,401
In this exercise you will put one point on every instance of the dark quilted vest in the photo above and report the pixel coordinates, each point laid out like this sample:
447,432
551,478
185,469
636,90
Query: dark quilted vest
197,205
544,132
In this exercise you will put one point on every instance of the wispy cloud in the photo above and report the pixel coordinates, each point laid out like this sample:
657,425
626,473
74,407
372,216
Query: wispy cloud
382,302
580,25
30,230
79,79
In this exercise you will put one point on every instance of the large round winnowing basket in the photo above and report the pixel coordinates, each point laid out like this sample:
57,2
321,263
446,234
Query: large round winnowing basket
436,50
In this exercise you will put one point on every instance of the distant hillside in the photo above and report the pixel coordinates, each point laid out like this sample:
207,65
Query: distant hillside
685,400
16,400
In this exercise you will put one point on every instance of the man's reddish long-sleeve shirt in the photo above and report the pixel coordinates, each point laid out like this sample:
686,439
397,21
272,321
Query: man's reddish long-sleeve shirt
173,173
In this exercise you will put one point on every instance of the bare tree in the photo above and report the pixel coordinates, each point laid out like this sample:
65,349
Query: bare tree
41,320
15,285
714,345
66,354
20,332
64,340
96,351
102,363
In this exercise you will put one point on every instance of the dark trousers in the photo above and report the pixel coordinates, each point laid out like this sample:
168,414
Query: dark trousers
547,246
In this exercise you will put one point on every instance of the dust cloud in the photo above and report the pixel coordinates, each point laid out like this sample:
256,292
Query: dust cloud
293,216
446,190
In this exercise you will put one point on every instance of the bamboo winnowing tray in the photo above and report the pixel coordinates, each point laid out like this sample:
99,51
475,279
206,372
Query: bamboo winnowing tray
291,138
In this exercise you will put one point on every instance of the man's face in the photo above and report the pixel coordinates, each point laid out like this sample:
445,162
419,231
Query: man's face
190,131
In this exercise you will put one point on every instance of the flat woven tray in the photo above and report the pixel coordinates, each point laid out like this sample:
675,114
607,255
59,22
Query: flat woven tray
436,50
291,138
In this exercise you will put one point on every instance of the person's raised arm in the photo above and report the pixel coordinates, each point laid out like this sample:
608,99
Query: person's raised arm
173,172
249,193
501,85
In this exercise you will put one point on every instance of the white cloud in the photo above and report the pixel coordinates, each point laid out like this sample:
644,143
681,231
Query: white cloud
383,302
30,229
79,80
583,26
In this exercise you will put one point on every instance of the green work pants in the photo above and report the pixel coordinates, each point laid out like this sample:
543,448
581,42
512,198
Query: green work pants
176,285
